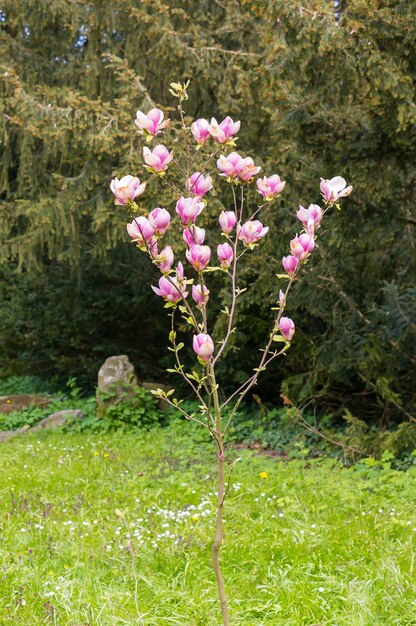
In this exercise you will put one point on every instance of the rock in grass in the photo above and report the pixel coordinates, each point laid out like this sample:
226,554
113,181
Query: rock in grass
9,434
57,419
116,382
22,401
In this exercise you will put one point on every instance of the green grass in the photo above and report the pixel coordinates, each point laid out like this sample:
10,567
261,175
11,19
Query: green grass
312,544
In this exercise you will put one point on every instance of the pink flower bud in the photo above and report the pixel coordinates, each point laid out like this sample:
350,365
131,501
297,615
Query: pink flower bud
159,219
193,236
287,328
203,346
302,246
225,255
140,230
157,159
198,184
310,217
165,259
198,257
152,123
223,132
201,295
270,187
200,131
227,220
282,299
127,188
290,264
188,209
170,290
252,231
334,189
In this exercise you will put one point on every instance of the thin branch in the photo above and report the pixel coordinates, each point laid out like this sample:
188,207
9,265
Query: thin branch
182,373
166,182
233,288
188,417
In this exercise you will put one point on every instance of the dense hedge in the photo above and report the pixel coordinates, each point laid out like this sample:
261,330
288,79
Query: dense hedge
315,99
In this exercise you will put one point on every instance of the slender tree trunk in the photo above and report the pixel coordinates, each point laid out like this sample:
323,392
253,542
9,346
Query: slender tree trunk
219,537
220,507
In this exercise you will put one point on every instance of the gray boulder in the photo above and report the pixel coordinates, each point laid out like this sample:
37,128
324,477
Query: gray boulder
118,378
22,401
9,434
57,419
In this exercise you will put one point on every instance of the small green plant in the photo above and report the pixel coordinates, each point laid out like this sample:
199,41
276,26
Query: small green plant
19,419
14,385
136,408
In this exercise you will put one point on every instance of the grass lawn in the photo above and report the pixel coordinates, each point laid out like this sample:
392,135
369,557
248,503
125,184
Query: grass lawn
311,544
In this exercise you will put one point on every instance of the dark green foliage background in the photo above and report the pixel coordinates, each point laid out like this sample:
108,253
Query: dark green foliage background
314,98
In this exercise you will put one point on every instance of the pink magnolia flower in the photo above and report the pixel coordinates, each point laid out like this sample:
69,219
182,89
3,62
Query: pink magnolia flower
223,132
193,236
234,166
201,295
287,328
188,209
127,188
247,169
203,346
310,217
334,189
198,257
252,231
152,123
159,219
140,230
200,131
169,289
225,255
157,159
302,246
229,165
227,220
165,259
290,264
282,299
199,184
270,187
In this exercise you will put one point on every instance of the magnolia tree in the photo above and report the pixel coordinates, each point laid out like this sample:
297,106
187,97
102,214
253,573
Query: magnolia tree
184,285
